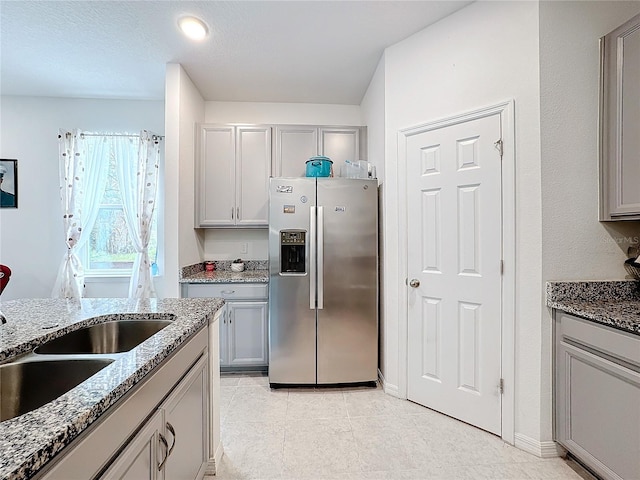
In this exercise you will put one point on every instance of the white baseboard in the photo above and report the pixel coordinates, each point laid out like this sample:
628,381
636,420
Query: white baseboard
214,463
548,449
388,388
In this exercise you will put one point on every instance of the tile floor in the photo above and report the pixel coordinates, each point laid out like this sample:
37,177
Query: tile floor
358,433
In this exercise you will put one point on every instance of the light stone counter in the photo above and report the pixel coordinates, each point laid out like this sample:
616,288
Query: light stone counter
612,303
29,441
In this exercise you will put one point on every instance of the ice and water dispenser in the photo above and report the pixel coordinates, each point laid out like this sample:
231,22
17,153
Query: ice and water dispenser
292,251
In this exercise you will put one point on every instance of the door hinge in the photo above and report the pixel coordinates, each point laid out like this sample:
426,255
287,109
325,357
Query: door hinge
501,386
499,146
501,267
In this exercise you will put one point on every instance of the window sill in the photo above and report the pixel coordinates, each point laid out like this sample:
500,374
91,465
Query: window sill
106,277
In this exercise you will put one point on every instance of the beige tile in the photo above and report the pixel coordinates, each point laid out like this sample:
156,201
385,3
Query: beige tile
359,433
256,404
550,468
311,404
227,380
319,447
234,469
253,449
253,380
372,402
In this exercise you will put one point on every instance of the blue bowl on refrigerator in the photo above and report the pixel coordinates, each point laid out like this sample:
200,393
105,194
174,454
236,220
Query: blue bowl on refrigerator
319,167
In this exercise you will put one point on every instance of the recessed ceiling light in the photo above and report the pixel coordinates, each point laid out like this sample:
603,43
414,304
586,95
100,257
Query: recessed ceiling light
193,27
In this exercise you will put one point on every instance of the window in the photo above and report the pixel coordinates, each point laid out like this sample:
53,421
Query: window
110,250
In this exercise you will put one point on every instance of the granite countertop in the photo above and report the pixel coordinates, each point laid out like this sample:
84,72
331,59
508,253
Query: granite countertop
256,271
614,303
227,276
27,442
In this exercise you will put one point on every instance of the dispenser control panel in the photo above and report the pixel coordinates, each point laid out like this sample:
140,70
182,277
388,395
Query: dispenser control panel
293,252
292,237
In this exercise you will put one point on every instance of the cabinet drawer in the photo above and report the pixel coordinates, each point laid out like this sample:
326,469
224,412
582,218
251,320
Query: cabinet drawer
228,290
608,340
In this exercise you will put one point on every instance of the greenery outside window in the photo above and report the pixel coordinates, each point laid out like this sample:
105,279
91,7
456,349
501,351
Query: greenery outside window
110,251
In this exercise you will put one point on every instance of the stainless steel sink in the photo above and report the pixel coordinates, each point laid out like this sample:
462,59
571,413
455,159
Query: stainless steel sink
26,386
104,338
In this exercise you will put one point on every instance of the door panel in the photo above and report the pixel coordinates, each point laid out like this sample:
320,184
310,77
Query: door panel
216,178
292,323
454,251
340,144
295,144
253,169
348,319
247,333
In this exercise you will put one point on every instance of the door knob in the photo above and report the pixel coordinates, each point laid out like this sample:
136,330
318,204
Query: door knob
415,283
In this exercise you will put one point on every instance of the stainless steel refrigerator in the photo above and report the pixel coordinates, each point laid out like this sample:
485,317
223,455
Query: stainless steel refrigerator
323,285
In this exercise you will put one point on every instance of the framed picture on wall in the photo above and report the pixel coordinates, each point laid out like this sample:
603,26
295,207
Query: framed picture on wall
8,183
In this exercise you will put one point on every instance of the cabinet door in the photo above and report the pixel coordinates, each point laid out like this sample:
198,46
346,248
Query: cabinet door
253,169
620,122
599,412
247,333
185,415
215,177
224,338
340,144
142,456
294,145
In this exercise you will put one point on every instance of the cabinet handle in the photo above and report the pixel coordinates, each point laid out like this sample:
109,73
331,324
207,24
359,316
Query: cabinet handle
238,213
230,316
228,292
166,448
173,444
224,317
232,211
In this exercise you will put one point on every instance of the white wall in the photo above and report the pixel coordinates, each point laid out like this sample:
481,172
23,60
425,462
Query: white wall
482,55
282,113
374,116
31,236
220,244
183,244
575,246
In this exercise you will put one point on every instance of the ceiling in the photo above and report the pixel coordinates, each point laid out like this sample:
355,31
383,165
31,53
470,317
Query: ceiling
258,51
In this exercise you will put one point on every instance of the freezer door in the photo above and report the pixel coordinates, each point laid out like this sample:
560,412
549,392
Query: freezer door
347,281
292,322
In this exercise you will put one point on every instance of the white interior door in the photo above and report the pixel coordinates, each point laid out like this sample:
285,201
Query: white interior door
454,265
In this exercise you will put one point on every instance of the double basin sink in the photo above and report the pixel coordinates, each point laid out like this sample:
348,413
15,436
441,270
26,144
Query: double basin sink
61,364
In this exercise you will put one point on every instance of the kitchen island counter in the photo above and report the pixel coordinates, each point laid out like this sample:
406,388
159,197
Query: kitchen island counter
29,441
612,303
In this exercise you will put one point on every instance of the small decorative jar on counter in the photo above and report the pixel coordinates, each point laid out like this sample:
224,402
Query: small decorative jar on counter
237,265
209,266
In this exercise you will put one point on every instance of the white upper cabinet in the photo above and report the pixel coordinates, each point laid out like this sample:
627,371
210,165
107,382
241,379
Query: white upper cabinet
340,144
232,176
294,144
620,123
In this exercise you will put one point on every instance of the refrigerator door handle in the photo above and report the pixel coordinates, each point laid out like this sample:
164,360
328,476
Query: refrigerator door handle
312,258
320,255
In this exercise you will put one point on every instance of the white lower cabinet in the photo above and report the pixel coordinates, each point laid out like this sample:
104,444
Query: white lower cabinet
185,422
172,444
597,396
244,322
246,334
159,431
139,460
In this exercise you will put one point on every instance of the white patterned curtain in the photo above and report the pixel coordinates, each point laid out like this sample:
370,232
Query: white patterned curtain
138,170
83,175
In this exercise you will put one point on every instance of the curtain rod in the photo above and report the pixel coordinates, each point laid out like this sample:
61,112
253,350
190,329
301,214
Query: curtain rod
155,137
120,135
